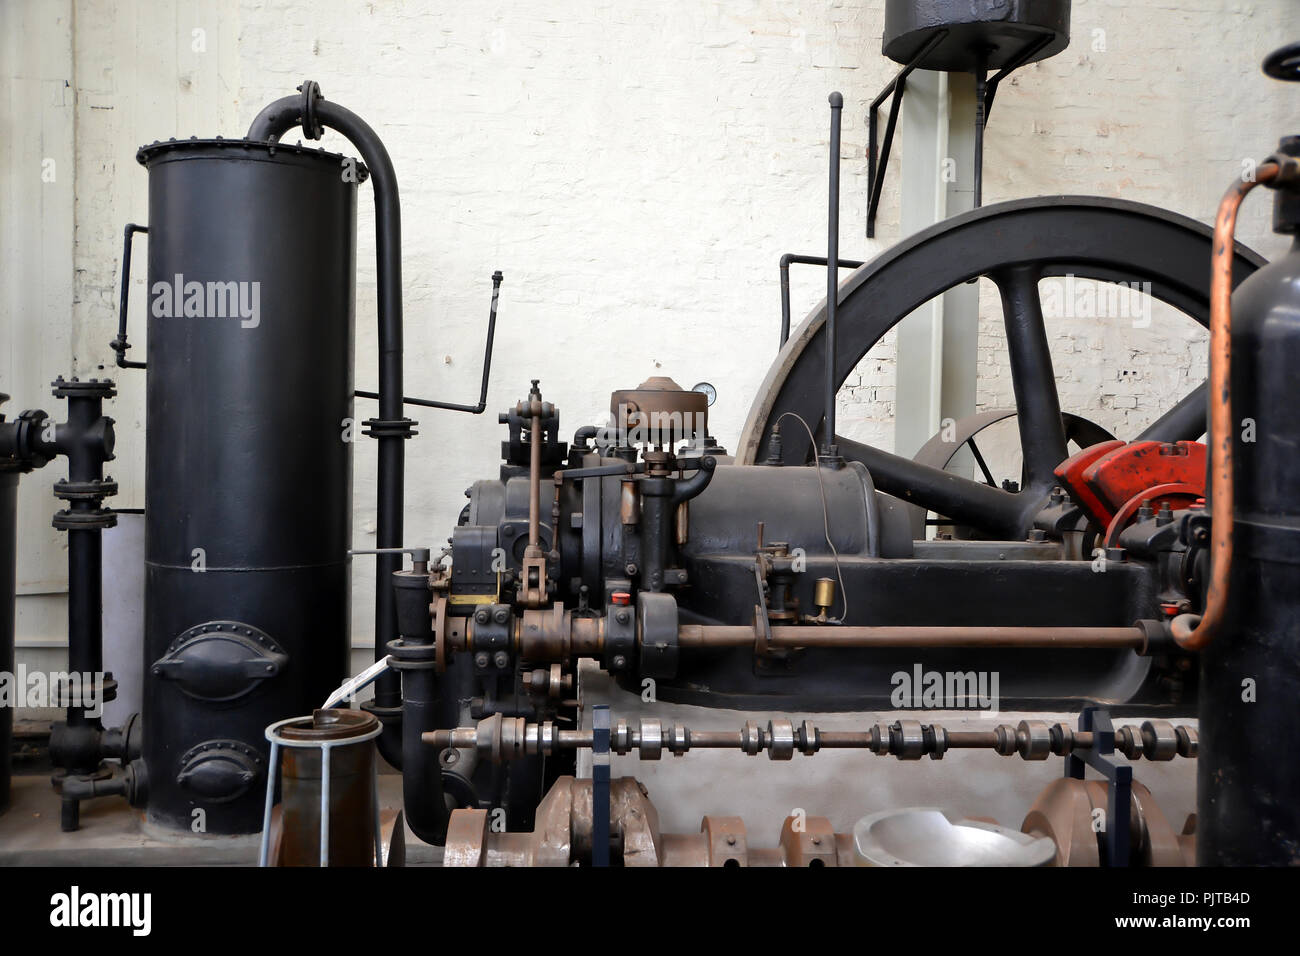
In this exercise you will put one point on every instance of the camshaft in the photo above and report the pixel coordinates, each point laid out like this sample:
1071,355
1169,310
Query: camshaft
501,738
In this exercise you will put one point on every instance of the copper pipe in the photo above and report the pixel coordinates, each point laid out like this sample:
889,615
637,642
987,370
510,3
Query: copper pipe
1193,632
707,635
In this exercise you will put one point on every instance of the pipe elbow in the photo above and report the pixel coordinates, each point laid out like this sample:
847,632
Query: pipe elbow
690,487
275,119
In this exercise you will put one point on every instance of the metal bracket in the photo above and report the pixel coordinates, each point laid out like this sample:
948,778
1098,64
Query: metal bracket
985,90
876,166
476,409
1096,719
119,344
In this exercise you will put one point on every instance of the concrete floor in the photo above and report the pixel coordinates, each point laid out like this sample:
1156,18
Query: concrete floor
113,833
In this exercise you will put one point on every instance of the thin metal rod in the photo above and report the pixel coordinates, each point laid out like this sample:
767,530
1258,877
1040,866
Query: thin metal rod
273,774
743,635
475,409
324,805
374,800
832,272
979,460
981,120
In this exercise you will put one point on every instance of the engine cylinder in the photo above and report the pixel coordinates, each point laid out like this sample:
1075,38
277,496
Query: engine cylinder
251,288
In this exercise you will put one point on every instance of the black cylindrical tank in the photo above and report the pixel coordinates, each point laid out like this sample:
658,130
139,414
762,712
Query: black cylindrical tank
1248,782
248,465
8,568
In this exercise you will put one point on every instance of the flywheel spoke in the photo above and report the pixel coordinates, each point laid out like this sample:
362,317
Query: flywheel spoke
991,510
1184,422
1038,407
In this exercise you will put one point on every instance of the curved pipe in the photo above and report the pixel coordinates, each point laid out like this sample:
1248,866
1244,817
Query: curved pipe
688,488
1193,632
393,429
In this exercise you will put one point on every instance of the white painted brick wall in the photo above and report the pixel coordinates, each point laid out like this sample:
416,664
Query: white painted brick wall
636,168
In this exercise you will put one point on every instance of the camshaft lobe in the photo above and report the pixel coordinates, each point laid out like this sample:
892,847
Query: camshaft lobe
502,739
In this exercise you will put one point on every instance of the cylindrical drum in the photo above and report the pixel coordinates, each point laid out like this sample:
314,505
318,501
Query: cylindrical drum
251,287
8,569
351,790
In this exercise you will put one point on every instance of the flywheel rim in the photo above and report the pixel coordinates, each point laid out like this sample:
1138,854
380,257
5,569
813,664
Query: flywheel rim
1110,240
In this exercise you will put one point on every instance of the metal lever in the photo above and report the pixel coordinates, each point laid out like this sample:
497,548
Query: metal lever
419,556
487,366
119,344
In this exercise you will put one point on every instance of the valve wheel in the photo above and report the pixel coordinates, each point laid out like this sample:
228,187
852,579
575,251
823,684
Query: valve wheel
1014,244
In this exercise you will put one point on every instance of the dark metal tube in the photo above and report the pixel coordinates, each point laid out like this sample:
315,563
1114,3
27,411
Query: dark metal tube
269,125
981,119
832,272
844,739
423,802
85,617
742,635
788,260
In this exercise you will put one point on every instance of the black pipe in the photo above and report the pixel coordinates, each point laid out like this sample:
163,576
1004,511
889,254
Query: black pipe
832,273
85,616
391,429
423,801
788,260
981,120
481,404
119,344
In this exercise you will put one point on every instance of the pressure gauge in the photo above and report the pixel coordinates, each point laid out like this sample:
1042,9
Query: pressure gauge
707,390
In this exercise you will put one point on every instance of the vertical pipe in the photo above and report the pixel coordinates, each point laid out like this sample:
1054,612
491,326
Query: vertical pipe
272,122
981,119
85,650
832,272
